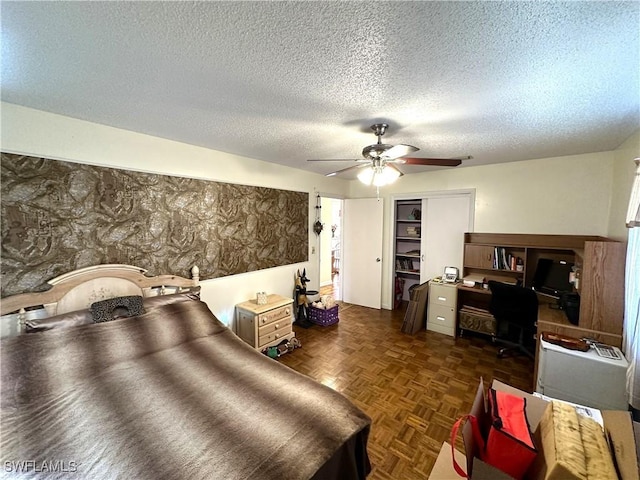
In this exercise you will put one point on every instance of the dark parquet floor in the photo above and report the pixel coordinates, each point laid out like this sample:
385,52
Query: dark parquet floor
412,386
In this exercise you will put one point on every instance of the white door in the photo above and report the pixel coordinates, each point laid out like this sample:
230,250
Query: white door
444,223
362,252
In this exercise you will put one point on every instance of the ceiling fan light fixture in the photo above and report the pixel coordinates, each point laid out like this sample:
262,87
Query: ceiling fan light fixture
378,176
385,176
366,175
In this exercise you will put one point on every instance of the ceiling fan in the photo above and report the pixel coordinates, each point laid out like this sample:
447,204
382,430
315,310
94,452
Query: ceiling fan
379,162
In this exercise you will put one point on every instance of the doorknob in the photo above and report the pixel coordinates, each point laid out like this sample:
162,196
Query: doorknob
378,259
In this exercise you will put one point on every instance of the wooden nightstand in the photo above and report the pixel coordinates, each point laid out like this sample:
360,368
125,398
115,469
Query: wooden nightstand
263,326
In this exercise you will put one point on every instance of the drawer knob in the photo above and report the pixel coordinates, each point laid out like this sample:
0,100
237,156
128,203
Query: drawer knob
440,318
264,320
277,335
277,326
442,299
287,311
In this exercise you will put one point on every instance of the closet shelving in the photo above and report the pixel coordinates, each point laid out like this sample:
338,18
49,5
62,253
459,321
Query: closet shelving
408,238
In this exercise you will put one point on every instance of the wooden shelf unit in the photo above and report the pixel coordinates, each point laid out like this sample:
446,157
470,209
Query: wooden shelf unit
599,268
407,248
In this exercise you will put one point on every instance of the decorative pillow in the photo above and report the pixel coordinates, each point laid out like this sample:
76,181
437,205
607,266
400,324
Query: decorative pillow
119,307
64,320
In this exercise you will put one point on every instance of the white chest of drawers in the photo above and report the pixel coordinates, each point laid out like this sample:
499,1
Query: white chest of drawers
441,311
263,326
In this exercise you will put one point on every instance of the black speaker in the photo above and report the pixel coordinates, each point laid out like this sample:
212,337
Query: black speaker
570,303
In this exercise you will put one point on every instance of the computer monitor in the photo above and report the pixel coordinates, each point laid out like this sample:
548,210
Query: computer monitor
552,277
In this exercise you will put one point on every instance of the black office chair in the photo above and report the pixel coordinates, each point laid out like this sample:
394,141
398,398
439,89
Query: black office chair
515,309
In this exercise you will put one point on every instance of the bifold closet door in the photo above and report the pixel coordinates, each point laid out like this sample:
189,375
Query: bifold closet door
444,223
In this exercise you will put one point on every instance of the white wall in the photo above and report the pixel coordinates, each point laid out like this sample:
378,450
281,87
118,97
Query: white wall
37,133
623,174
580,194
564,195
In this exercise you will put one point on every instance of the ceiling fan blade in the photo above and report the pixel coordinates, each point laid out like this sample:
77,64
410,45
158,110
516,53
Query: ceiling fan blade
353,167
440,162
399,151
337,160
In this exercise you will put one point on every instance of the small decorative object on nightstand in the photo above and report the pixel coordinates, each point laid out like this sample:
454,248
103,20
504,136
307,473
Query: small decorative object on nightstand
262,298
263,326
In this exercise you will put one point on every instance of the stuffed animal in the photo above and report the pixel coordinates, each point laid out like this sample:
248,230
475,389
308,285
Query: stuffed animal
325,303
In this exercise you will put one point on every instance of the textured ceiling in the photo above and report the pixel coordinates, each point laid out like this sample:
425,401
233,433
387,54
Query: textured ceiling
289,81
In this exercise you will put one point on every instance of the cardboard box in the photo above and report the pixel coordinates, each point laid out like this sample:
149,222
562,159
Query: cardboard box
618,429
414,317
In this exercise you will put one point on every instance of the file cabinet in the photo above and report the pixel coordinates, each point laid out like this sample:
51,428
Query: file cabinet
441,311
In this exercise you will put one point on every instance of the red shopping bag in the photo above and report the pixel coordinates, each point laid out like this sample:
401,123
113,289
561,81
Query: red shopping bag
509,444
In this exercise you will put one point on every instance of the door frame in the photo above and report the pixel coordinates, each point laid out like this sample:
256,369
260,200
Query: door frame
333,196
390,267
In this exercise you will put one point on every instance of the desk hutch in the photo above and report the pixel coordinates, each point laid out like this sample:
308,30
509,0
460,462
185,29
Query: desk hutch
599,270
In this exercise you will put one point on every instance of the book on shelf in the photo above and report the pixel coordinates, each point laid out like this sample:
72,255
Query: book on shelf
405,264
413,231
502,260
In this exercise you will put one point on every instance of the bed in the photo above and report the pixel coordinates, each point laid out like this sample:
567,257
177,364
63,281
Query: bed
167,392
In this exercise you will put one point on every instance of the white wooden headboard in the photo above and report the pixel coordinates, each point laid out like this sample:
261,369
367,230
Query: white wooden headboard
77,290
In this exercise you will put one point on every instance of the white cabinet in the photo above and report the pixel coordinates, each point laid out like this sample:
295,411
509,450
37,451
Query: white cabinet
441,310
582,377
263,326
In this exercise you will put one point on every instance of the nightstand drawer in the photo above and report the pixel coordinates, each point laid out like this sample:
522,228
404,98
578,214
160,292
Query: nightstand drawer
274,315
275,335
442,295
265,325
273,326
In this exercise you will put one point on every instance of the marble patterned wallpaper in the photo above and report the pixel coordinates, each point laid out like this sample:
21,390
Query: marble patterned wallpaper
60,216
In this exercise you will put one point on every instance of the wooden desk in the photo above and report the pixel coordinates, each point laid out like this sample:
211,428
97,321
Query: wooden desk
550,319
555,321
480,290
470,320
599,270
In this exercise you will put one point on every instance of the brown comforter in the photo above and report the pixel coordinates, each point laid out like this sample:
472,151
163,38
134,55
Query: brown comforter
169,394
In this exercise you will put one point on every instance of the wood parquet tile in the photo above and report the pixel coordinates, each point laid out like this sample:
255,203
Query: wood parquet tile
412,387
